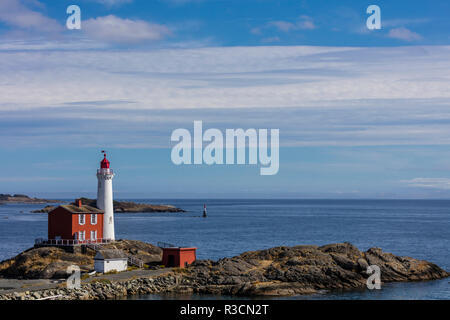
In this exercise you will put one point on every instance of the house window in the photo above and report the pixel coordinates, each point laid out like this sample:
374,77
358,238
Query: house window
93,219
94,235
81,219
82,235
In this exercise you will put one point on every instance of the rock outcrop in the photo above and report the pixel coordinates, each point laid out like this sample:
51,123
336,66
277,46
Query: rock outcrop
52,262
304,270
123,206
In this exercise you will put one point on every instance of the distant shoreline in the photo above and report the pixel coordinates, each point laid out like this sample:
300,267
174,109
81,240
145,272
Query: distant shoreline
21,198
122,207
119,206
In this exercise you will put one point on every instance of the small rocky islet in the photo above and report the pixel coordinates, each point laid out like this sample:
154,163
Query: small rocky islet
22,198
122,207
119,206
279,271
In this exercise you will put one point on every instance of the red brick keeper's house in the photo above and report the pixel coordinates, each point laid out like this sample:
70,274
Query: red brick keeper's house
75,224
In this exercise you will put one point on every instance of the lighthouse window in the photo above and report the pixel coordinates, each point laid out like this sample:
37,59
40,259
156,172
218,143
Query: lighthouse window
93,219
81,219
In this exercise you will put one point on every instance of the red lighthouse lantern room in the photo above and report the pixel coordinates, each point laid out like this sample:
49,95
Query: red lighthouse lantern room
104,164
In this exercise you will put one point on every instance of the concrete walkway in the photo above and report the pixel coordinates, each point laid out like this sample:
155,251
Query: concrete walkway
19,285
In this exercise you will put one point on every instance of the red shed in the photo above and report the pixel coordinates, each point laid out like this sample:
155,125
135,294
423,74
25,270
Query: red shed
178,257
75,222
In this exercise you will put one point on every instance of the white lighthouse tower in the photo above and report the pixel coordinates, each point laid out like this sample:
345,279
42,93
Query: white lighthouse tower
105,197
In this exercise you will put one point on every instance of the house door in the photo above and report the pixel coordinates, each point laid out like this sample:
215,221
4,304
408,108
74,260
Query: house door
171,260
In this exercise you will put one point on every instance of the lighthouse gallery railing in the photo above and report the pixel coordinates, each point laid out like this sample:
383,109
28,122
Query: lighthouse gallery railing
68,242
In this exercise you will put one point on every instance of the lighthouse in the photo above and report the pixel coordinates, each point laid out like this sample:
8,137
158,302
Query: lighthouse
105,197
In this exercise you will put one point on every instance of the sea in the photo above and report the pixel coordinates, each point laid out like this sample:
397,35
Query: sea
415,228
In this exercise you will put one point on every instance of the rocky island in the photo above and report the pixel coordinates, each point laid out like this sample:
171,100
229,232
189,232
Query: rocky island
21,198
279,271
304,269
123,206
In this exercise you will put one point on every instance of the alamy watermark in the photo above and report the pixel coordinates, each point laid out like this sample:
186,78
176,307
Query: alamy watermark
74,280
73,22
374,281
235,153
374,20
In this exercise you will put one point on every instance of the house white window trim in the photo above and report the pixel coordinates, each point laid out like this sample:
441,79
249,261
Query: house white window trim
82,235
81,219
94,219
94,235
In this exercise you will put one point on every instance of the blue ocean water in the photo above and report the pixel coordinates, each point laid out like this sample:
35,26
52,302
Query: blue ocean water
416,228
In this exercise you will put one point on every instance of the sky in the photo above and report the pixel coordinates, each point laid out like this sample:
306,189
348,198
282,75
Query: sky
361,113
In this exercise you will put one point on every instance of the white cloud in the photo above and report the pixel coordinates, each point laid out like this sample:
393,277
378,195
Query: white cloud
303,23
114,29
29,179
404,34
31,29
226,77
435,183
282,25
256,31
113,3
306,22
182,2
270,39
404,22
16,15
315,95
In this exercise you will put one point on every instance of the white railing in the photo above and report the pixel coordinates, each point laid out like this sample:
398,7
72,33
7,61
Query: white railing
105,171
93,246
135,261
166,245
68,242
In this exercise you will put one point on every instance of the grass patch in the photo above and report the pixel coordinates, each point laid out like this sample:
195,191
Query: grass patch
131,268
112,272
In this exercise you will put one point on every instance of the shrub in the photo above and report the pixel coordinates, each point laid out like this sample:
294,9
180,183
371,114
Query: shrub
112,272
84,276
